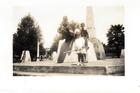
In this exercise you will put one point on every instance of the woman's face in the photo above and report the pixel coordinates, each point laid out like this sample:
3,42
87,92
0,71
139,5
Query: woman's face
82,25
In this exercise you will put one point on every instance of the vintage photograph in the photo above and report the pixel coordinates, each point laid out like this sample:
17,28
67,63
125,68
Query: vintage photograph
68,39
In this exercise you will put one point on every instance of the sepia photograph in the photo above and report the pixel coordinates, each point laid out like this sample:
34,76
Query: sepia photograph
68,39
69,46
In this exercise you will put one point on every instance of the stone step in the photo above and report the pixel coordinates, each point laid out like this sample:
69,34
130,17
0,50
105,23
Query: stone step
96,70
62,69
102,67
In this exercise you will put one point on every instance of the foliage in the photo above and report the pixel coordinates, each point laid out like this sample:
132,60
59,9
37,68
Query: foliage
63,32
116,38
26,37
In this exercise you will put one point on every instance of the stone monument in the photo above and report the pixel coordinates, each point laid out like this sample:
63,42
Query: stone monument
96,47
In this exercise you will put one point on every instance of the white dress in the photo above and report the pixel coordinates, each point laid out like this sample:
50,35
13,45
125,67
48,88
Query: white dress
79,45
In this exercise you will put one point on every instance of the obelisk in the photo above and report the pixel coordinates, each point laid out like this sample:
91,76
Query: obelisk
37,51
98,46
89,22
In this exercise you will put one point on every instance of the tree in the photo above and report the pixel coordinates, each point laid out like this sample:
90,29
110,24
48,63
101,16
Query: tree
26,37
116,38
63,32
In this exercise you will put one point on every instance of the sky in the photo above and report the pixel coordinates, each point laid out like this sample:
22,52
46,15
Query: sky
48,16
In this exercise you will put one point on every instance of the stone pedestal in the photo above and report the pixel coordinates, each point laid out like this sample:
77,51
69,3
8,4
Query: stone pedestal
25,57
54,56
122,53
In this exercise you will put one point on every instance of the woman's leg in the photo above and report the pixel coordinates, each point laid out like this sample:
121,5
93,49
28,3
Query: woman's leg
82,57
78,57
